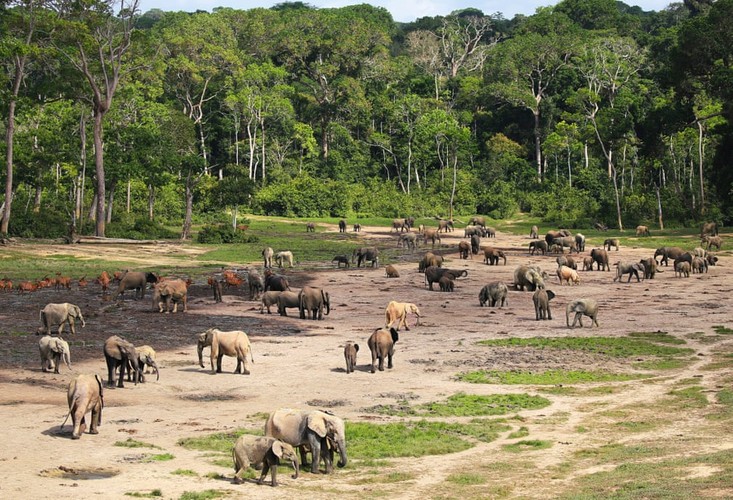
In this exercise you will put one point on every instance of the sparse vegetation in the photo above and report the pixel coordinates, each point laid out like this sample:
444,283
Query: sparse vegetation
550,377
204,495
133,443
622,347
151,494
527,445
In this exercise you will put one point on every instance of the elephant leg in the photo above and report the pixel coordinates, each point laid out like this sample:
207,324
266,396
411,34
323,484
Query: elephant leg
123,366
389,359
381,362
315,444
265,470
273,467
96,418
110,372
218,362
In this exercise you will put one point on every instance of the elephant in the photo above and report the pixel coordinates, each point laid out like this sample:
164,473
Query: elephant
534,232
276,282
366,254
357,227
267,254
709,228
469,231
312,428
311,301
477,221
490,232
408,240
341,259
682,267
567,274
699,265
642,231
630,268
233,343
217,288
529,277
492,256
165,292
429,259
432,235
494,295
256,284
537,245
699,252
391,271
310,227
667,253
350,350
342,226
146,358
446,283
650,268
587,263
541,299
53,350
85,394
434,273
118,352
399,225
464,250
381,343
135,280
580,242
399,311
284,256
410,222
600,257
566,241
475,244
268,300
58,314
581,307
567,261
610,242
712,241
553,235
287,299
445,226
262,450
711,259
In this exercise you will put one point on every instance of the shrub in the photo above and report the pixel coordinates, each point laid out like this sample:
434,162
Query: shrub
222,233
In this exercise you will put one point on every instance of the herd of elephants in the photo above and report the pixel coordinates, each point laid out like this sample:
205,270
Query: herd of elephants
321,433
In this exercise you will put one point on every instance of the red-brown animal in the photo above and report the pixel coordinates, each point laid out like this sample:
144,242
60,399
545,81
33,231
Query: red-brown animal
104,281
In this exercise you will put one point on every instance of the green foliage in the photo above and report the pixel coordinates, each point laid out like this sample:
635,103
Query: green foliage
220,442
549,377
499,201
133,443
468,405
529,445
138,229
223,233
303,196
722,330
162,457
614,347
184,472
204,495
48,223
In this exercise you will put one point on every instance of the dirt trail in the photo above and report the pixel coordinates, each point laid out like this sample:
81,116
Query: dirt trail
299,363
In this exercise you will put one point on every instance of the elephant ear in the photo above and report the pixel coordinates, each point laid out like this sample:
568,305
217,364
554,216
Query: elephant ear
317,423
57,345
356,347
550,295
277,448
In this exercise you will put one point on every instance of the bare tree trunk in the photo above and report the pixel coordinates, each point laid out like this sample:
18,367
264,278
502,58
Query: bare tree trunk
99,172
129,188
93,208
537,143
83,156
701,159
188,218
151,202
37,197
108,213
659,210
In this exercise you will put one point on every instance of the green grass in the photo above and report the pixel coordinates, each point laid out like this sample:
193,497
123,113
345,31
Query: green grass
163,457
468,405
722,330
222,442
519,433
660,337
616,452
622,347
467,479
527,445
184,472
132,443
690,397
203,495
549,377
661,364
151,494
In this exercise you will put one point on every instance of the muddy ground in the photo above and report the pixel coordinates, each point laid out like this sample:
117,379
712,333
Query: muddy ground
299,363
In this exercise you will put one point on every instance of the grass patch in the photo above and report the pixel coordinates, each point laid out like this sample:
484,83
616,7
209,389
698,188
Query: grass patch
392,477
722,330
468,405
184,472
133,443
617,452
527,445
549,377
642,426
368,441
659,337
151,494
622,347
662,364
467,479
203,495
225,462
222,442
690,397
519,433
163,457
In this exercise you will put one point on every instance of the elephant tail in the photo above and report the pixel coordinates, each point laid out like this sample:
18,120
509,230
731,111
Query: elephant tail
64,422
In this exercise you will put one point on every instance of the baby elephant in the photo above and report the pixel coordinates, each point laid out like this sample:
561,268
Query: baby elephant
381,343
264,450
391,271
580,307
493,295
541,299
350,351
53,350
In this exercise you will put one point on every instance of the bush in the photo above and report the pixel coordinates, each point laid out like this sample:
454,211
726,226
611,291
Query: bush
224,234
44,224
139,229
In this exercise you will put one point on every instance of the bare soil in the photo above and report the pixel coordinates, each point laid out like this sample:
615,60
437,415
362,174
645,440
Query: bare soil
299,363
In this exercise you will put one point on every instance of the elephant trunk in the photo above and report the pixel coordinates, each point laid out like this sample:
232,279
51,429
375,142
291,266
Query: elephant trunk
201,354
296,467
342,452
155,367
67,359
327,301
567,316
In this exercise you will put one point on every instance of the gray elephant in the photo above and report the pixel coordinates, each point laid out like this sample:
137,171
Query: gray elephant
432,235
469,231
119,353
668,253
434,273
53,350
682,268
534,232
477,220
429,259
265,451
567,261
350,350
407,240
314,429
580,242
58,314
275,282
269,299
366,254
709,228
630,268
600,257
381,343
650,268
565,241
256,284
135,280
342,226
168,291
552,235
446,283
492,256
311,301
286,300
494,295
85,394
233,343
610,242
146,357
475,244
537,246
445,226
464,250
529,277
582,307
399,225
541,299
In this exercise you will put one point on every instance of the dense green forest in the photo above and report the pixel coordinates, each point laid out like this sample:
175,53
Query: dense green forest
118,122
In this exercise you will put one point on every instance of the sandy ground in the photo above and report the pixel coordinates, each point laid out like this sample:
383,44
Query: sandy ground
299,364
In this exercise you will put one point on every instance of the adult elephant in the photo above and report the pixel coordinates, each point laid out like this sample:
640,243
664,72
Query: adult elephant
342,226
312,301
492,256
494,295
312,428
366,254
119,353
408,240
538,246
600,257
168,291
53,350
475,244
256,284
582,307
566,241
709,229
381,343
434,273
464,250
59,314
580,242
541,299
233,343
650,268
445,226
630,268
399,225
276,282
469,231
267,254
642,231
85,394
269,299
284,256
552,235
429,259
287,299
477,220
529,277
136,280
410,222
668,253
534,232
432,235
